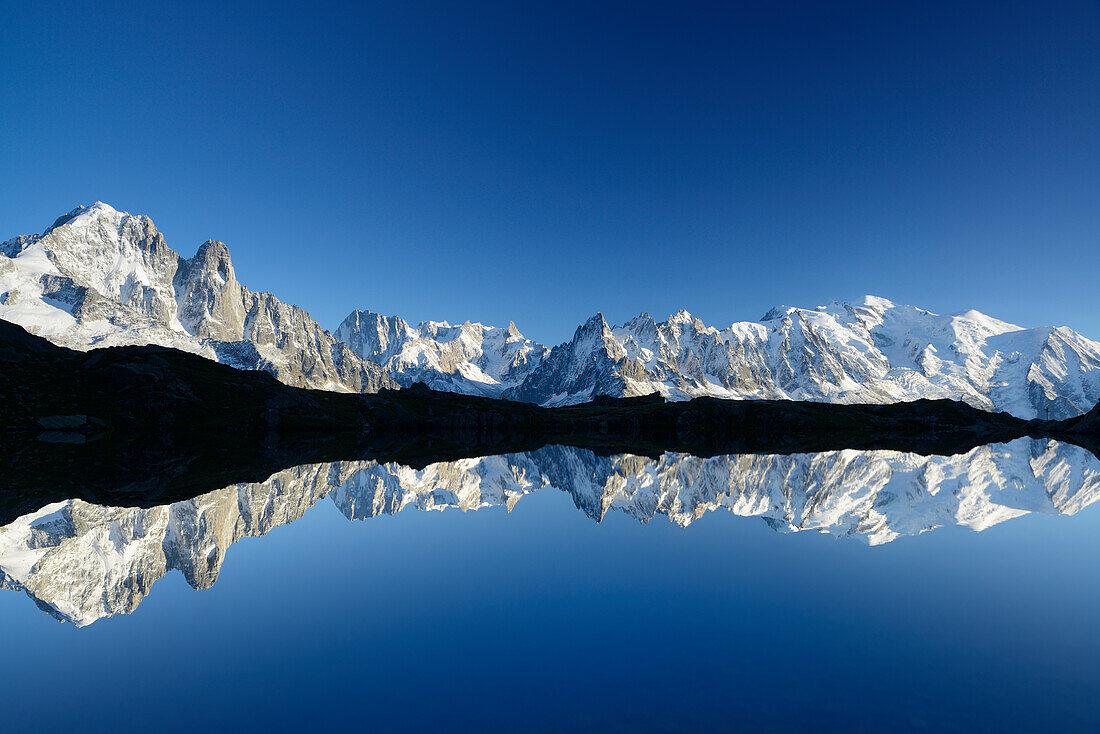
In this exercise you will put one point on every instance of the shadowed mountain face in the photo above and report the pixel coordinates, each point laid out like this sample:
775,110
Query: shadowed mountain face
81,562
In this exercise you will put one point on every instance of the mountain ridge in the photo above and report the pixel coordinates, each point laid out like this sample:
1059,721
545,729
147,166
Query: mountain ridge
99,277
81,562
871,351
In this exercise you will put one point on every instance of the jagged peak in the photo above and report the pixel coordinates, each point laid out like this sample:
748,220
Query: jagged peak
213,257
212,250
596,320
367,319
642,321
216,245
594,323
357,315
102,206
365,314
432,327
683,316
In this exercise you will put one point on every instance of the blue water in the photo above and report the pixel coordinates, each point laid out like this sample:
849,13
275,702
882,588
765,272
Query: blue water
542,620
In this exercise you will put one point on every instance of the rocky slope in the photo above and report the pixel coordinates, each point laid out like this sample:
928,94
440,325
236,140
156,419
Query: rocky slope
81,562
100,277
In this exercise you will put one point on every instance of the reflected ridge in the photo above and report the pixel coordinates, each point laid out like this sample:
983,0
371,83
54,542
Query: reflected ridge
81,562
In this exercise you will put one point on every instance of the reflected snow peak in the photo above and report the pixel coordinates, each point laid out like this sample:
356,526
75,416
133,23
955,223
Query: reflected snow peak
81,562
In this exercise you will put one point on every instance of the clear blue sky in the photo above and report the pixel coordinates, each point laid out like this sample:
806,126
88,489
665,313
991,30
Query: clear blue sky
541,161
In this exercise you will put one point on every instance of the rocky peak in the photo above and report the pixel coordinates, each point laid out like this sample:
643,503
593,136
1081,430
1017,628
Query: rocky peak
210,301
213,257
371,335
594,324
681,317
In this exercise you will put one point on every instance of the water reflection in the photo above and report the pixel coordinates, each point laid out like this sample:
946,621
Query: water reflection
81,562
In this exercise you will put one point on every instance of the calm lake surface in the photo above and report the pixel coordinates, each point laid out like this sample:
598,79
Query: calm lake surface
846,591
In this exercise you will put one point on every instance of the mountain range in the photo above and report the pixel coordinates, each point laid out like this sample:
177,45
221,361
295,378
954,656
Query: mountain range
81,561
100,277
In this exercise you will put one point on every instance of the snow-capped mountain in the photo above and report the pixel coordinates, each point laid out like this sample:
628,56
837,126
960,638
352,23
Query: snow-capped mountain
872,351
468,358
82,562
100,277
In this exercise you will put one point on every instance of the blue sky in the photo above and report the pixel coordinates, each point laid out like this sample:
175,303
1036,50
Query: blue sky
541,161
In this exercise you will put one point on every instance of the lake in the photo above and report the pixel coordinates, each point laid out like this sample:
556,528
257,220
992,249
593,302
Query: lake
561,590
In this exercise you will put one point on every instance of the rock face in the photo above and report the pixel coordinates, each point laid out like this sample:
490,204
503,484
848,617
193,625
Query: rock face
469,358
82,562
869,352
100,277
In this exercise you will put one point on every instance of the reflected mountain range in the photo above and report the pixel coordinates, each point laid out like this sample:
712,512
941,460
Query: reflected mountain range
81,562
